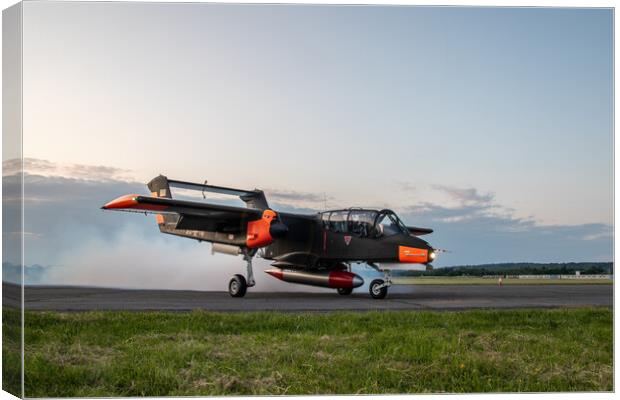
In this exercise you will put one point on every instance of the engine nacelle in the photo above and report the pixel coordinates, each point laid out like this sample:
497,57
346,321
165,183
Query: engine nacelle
258,234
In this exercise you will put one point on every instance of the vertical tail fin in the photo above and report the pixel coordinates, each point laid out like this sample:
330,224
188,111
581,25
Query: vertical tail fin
159,187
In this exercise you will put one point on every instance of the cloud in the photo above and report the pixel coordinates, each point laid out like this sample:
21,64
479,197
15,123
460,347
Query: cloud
292,196
35,166
33,274
94,172
467,196
407,186
606,232
290,201
470,204
479,231
14,166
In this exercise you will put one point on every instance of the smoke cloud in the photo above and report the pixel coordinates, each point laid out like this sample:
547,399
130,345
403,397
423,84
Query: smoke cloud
134,260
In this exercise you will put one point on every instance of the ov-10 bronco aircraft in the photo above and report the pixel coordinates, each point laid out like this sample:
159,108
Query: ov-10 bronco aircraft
313,249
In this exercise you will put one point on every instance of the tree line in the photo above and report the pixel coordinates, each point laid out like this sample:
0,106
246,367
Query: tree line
584,268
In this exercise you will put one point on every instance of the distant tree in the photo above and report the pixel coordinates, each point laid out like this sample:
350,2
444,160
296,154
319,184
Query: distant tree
586,268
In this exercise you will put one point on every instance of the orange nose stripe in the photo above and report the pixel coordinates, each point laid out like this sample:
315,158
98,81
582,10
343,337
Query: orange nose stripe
412,255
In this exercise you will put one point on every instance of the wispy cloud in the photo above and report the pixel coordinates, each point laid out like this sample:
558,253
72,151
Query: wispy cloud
35,166
284,198
33,274
478,230
468,203
466,196
39,170
293,196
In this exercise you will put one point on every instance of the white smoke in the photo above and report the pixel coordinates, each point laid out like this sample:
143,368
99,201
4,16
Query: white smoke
132,260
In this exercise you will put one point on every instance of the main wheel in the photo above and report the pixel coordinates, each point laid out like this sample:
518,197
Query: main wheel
377,292
237,286
345,291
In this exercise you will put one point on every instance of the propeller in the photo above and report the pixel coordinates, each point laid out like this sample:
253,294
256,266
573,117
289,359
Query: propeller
277,229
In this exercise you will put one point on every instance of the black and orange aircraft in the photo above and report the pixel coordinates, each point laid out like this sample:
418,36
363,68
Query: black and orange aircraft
315,249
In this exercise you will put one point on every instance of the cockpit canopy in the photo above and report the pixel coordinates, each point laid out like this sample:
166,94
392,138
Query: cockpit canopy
363,222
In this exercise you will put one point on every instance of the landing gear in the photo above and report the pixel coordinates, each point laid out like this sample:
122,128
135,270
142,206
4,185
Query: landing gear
345,291
378,289
247,256
238,285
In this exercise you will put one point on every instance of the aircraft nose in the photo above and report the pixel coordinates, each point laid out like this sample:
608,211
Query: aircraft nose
357,281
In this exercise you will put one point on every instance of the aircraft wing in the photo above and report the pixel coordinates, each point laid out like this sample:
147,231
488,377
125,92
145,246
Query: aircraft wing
193,215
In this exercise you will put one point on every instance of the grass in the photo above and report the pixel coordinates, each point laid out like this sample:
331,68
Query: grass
464,280
204,353
11,351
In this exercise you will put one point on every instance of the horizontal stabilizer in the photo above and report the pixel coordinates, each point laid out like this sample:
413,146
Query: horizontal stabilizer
252,198
211,188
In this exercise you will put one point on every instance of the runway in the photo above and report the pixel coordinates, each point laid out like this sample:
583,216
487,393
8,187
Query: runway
411,297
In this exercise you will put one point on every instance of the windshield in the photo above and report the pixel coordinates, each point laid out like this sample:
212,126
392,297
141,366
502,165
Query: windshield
389,224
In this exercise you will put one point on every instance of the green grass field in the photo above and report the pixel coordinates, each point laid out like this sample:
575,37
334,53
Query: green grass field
202,353
463,280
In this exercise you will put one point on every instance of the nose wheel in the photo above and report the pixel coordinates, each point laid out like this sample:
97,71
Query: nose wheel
378,289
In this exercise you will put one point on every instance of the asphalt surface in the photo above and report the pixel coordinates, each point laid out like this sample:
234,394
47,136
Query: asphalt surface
411,297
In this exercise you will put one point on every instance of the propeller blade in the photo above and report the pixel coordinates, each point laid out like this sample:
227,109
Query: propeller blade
442,251
277,229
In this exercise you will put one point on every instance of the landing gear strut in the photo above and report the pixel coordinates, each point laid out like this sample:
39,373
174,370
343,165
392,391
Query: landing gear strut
238,285
248,258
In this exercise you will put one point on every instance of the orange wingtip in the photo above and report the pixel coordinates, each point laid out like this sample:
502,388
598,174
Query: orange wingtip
127,201
131,201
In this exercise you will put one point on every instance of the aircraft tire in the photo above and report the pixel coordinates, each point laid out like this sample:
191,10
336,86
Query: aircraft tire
345,291
237,286
375,292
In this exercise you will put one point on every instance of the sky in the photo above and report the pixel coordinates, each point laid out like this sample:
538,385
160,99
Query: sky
491,125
